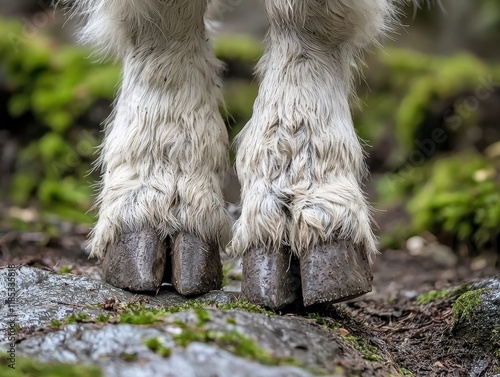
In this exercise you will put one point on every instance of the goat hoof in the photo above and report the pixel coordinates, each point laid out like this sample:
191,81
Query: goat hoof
196,265
136,262
270,279
334,272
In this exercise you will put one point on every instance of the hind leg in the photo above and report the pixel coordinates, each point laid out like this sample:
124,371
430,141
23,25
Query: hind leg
300,161
165,149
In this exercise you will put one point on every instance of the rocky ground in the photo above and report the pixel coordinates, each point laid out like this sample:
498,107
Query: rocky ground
430,314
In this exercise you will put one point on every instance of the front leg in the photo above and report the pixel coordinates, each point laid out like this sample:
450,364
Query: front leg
165,150
300,161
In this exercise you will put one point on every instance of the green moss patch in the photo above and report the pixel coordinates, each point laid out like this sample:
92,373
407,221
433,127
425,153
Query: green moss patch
495,339
466,303
25,367
139,314
432,296
368,351
245,306
405,372
324,321
156,345
232,341
128,356
65,269
442,294
78,318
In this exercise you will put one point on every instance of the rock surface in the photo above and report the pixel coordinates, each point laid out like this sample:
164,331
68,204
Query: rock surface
43,296
196,341
106,345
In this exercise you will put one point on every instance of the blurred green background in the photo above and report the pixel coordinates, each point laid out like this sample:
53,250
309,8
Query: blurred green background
428,108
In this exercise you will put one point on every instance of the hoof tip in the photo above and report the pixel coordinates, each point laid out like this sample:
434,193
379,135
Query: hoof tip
196,265
334,272
136,262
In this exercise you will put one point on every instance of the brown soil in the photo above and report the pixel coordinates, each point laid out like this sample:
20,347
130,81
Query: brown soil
418,338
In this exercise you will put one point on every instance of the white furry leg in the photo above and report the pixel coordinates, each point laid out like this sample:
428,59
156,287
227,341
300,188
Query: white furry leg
165,149
299,159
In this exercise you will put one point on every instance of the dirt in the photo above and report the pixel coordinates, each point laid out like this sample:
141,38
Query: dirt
419,338
414,339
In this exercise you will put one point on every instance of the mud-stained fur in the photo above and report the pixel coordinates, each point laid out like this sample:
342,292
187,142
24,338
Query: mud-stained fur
165,151
299,159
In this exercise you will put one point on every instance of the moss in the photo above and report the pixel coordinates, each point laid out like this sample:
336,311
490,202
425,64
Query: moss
324,321
432,296
139,314
453,201
203,316
246,347
232,341
466,303
368,351
246,306
142,316
156,345
404,372
65,269
103,318
457,197
231,321
189,305
495,340
25,367
192,334
56,323
57,85
431,78
436,295
128,356
77,318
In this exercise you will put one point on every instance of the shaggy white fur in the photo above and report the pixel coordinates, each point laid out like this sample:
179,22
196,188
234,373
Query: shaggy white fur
165,151
299,159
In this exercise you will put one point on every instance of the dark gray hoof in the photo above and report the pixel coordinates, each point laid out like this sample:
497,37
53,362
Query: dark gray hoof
196,265
270,279
136,262
334,272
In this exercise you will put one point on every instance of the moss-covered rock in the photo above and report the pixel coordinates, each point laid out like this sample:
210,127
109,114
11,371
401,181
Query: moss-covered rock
477,318
27,367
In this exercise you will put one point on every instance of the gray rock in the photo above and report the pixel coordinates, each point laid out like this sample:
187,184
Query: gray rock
106,345
42,296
